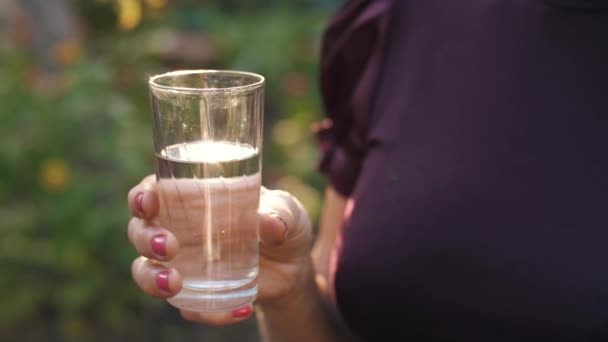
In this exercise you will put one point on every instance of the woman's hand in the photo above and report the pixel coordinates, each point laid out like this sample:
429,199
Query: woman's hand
285,244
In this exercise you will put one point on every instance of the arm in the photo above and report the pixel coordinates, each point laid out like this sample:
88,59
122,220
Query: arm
332,216
308,305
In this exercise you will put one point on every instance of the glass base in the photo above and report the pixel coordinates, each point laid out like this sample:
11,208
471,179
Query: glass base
214,301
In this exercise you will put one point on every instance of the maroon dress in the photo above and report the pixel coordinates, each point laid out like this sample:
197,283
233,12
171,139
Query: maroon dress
471,139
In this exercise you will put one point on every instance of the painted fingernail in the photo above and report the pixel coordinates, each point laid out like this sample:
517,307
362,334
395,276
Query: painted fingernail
242,312
138,202
162,280
158,244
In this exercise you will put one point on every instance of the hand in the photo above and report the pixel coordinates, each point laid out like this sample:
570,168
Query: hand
285,244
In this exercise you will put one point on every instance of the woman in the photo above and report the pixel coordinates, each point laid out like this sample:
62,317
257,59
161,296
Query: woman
467,152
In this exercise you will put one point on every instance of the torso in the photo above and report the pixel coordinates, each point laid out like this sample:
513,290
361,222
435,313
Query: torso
481,211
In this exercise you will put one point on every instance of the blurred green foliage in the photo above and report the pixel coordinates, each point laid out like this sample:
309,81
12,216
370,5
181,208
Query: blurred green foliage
75,139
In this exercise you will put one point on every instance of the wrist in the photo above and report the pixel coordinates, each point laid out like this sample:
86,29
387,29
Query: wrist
283,318
304,293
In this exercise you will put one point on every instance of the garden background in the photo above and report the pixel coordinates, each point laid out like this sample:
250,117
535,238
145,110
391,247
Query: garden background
75,136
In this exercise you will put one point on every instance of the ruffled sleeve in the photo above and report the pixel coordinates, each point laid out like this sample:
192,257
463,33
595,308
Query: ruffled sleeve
351,57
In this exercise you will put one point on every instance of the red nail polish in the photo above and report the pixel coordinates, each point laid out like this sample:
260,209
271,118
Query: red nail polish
158,244
162,280
138,202
242,312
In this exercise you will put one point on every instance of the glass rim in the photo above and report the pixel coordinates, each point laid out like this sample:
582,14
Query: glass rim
252,86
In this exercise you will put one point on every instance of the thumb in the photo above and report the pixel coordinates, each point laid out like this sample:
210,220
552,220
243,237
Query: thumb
273,229
285,228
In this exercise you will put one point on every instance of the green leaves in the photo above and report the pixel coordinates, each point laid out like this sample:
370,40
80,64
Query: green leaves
74,141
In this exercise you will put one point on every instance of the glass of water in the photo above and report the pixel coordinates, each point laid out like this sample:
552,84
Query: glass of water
208,144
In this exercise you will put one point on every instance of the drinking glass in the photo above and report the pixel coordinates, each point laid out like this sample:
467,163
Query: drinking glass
207,129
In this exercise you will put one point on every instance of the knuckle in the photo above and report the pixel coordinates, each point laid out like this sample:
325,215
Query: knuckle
132,230
134,222
149,181
132,192
144,273
136,268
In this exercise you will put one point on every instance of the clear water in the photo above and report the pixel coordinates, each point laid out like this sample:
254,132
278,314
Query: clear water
209,194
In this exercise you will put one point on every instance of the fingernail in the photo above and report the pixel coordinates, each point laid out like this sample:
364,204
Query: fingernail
162,280
138,202
282,221
158,244
242,312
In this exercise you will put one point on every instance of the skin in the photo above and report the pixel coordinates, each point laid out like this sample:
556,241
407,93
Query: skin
292,301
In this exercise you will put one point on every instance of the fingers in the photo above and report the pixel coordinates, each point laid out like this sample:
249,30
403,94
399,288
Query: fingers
161,282
218,318
151,241
143,199
155,279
